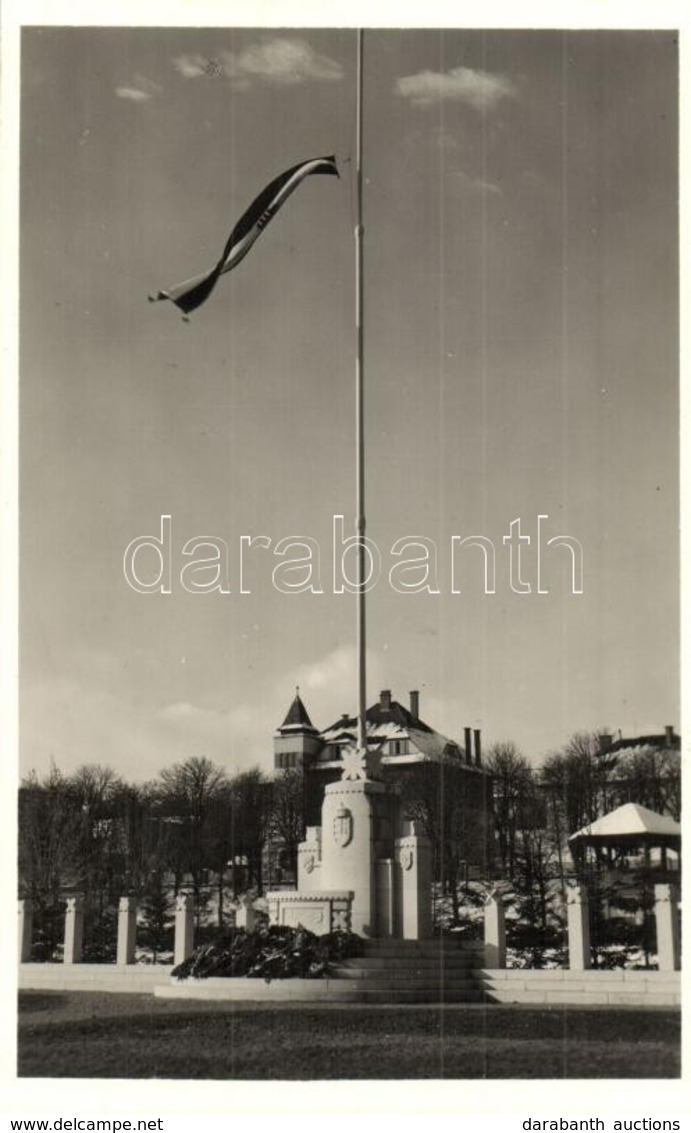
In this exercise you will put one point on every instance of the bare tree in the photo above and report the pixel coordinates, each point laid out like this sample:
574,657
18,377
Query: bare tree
249,823
188,792
513,790
48,851
287,814
579,783
650,776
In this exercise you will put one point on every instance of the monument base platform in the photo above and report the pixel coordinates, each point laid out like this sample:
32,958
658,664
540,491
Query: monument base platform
389,971
320,911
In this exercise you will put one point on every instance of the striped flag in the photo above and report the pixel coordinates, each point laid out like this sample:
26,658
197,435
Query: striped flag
192,293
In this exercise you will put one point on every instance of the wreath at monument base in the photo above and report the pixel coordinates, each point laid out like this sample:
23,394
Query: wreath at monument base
274,953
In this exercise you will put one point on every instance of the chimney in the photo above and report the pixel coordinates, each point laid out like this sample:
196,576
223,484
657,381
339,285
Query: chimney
478,748
468,746
669,735
605,742
385,699
415,704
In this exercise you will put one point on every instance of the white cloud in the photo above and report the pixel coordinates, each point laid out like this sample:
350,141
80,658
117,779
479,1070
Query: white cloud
140,89
80,718
286,61
74,721
478,89
334,671
282,61
192,66
132,93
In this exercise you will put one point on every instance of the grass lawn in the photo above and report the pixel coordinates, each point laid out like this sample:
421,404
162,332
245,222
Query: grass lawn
95,1035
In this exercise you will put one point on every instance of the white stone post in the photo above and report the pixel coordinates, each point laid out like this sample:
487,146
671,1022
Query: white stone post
25,928
74,930
495,932
127,930
184,928
578,922
414,877
386,898
667,928
245,916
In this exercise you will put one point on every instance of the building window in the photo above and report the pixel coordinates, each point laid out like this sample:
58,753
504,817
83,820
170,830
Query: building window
287,759
398,747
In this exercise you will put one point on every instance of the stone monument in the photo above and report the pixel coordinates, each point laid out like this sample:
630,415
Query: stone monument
365,869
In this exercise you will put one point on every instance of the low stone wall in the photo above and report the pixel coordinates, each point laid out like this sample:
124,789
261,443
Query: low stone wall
253,991
133,978
539,988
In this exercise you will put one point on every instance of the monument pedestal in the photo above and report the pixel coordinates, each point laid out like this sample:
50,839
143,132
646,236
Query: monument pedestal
364,869
349,833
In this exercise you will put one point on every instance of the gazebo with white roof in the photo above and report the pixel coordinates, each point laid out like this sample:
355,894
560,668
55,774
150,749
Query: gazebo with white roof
628,827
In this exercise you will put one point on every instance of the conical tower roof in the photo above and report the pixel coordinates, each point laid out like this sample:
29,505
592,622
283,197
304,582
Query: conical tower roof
297,717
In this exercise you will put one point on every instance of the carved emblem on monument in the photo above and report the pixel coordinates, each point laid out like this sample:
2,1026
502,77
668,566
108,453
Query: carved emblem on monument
354,763
407,857
309,863
343,827
359,764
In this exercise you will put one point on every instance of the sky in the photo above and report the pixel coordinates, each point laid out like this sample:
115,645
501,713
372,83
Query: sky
521,359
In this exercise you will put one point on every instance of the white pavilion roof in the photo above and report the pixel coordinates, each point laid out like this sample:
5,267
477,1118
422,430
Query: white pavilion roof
630,820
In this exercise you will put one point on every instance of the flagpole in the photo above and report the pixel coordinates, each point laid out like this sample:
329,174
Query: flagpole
360,414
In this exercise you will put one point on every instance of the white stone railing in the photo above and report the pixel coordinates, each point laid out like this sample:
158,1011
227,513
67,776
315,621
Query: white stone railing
578,929
126,931
578,926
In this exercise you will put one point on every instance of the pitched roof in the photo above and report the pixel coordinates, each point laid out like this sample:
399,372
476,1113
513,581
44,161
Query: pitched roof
382,722
662,742
390,723
298,716
631,821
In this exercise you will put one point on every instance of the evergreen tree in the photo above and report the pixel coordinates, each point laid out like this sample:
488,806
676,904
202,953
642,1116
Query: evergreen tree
156,912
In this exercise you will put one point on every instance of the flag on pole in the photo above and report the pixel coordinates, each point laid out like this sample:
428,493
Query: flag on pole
192,293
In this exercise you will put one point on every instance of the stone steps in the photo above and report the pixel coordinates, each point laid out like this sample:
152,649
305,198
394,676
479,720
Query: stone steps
411,971
431,946
357,971
384,977
640,988
404,950
412,995
410,964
